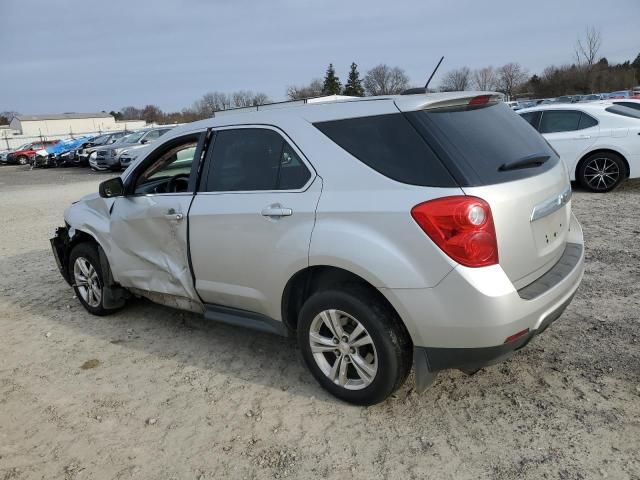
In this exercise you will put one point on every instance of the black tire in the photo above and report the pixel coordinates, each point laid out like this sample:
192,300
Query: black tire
601,172
22,160
89,252
390,339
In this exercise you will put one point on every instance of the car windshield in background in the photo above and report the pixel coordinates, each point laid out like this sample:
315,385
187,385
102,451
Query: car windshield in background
477,143
101,140
624,111
133,137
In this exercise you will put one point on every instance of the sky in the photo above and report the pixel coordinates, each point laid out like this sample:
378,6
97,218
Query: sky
90,55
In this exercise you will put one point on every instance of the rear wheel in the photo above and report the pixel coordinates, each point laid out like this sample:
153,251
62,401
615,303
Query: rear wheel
601,172
354,344
88,279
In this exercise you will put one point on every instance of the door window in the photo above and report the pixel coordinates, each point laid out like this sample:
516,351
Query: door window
171,170
251,159
559,121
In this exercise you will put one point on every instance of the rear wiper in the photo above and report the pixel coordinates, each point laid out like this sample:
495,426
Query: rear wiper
529,161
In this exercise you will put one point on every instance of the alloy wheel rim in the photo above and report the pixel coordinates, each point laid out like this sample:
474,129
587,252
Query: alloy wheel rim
343,349
88,282
601,173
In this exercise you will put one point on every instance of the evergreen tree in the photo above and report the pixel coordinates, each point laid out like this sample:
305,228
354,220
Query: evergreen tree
331,85
354,84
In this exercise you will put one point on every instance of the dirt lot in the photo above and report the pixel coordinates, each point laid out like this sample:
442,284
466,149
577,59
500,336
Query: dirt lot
155,393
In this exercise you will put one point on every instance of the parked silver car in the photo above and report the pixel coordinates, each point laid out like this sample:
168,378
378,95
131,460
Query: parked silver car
433,230
107,157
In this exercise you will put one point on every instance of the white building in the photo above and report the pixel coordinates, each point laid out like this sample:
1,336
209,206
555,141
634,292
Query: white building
30,128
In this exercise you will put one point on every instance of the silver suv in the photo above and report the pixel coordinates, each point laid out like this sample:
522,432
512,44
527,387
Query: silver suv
432,230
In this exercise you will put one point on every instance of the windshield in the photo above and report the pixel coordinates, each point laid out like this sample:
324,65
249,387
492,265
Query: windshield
100,140
132,137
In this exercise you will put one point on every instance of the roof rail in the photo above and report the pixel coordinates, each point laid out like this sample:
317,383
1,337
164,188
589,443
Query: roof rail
284,104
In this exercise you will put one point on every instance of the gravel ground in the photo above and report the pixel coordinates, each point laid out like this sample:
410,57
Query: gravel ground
155,393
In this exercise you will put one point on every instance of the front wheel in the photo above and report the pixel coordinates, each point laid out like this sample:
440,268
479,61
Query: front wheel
601,172
354,344
22,160
88,279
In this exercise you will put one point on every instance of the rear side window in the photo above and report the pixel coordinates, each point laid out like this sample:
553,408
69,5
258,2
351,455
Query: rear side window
475,142
250,159
559,121
390,145
586,121
532,118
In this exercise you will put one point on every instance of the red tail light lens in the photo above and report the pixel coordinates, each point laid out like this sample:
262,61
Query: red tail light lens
462,227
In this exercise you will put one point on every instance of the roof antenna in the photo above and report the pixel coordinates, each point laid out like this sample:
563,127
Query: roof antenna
412,91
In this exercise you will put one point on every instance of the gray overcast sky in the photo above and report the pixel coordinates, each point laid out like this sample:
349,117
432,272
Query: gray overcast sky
89,55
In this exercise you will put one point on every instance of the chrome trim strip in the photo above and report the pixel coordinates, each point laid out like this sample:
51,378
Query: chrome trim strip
551,205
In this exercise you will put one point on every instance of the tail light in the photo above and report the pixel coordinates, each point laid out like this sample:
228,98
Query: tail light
462,227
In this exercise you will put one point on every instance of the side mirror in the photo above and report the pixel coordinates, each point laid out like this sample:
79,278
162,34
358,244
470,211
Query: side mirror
144,141
111,188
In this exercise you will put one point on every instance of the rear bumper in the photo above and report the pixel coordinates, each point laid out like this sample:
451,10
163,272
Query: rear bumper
466,318
436,359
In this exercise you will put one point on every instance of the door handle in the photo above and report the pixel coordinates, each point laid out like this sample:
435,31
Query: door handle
276,210
584,136
173,215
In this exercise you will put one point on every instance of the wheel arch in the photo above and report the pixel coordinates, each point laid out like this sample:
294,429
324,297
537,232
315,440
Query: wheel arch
312,279
603,150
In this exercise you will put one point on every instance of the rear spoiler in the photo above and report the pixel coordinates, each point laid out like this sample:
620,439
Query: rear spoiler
431,101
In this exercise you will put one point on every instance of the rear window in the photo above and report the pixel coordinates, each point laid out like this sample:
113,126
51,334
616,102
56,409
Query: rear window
390,145
475,142
624,111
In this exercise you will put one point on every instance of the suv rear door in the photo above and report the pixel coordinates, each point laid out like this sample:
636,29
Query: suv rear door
250,223
495,155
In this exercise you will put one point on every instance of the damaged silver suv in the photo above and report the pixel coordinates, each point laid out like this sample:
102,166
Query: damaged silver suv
432,230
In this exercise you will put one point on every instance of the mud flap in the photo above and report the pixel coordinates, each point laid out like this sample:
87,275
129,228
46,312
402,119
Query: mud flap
424,376
113,296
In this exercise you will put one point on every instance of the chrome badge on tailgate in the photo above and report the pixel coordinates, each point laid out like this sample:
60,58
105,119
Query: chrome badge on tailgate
551,205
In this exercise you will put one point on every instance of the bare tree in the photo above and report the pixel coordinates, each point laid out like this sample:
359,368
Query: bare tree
485,79
511,77
586,50
131,113
384,80
212,102
314,89
242,98
456,80
261,98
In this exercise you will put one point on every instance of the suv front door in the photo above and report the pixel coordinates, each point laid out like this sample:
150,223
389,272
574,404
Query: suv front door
250,223
149,224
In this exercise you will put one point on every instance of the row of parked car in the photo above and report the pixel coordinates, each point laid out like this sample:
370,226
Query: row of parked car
619,95
108,151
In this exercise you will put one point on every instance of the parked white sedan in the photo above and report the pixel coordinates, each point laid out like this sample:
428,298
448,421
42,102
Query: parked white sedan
599,142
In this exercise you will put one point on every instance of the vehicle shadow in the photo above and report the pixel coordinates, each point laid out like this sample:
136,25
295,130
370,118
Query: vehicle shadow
185,338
